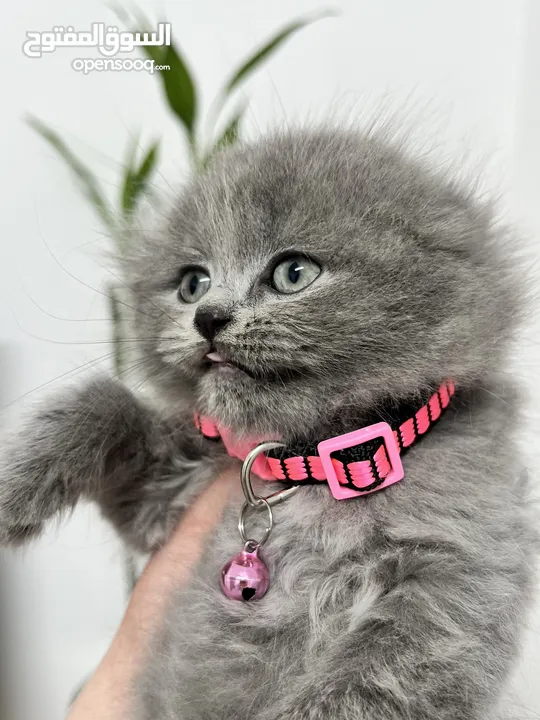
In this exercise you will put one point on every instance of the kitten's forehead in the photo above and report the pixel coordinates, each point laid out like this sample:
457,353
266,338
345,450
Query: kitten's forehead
334,196
264,200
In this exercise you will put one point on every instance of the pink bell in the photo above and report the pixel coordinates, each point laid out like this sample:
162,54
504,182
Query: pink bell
245,577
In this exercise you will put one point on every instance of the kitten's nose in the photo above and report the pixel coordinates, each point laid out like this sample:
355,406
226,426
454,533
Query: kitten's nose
210,322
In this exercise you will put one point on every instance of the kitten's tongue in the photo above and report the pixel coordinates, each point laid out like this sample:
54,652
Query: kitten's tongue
215,357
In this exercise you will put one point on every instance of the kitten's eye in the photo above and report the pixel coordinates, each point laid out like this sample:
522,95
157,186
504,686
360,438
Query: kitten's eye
193,285
294,274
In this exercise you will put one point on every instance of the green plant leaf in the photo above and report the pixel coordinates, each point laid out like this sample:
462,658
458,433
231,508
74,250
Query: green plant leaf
154,52
136,179
268,48
231,133
177,83
131,152
148,164
228,137
129,169
157,52
136,17
87,181
179,88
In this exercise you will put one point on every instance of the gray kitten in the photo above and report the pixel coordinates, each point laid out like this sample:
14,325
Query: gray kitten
403,604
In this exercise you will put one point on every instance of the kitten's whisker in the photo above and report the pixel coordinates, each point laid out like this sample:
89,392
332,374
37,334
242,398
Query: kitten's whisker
59,377
102,237
140,147
112,341
161,310
280,101
497,397
81,282
64,319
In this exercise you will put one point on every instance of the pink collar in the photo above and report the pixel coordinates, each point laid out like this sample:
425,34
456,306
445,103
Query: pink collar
354,464
237,448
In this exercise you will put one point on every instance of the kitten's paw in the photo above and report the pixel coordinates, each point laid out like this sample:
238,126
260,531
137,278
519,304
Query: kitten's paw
31,489
54,458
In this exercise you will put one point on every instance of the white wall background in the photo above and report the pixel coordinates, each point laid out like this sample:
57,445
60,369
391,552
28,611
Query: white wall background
471,67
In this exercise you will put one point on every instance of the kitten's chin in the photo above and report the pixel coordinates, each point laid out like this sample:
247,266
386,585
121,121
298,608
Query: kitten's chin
226,375
235,399
253,407
225,389
227,380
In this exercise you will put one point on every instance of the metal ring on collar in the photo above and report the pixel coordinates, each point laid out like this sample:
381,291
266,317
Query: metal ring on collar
267,531
251,497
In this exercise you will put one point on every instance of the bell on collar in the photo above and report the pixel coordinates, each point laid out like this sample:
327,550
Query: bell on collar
245,576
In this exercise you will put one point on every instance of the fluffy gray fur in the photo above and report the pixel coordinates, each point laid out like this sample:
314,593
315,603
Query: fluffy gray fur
406,604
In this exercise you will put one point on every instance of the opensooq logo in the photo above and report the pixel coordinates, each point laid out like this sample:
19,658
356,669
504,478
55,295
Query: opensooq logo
108,40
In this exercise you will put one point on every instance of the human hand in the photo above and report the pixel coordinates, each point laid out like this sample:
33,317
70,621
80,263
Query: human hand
107,694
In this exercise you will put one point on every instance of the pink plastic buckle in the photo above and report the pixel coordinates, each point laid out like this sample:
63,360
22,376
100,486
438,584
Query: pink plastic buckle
358,437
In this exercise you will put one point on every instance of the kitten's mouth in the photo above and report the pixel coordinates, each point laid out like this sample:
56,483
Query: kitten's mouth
213,360
217,362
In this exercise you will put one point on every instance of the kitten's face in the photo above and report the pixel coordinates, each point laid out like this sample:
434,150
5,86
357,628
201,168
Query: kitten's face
312,274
